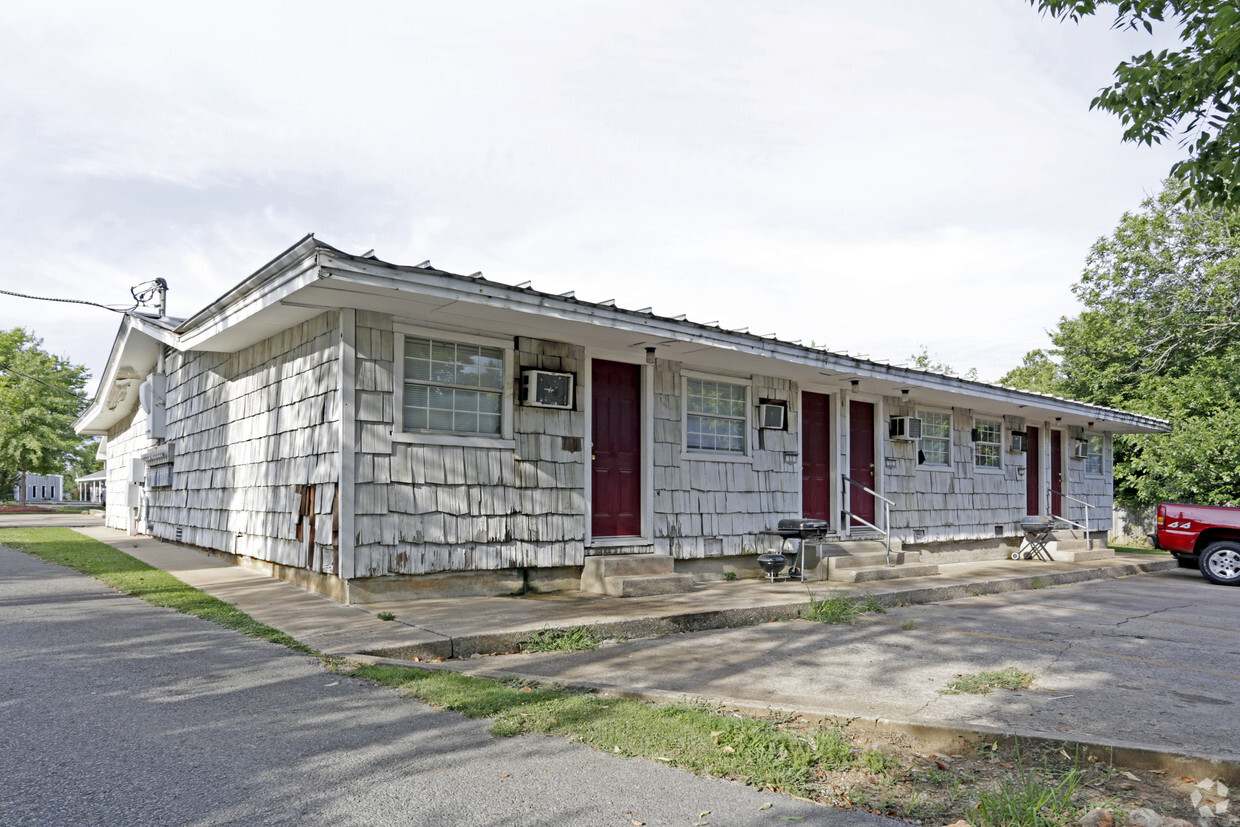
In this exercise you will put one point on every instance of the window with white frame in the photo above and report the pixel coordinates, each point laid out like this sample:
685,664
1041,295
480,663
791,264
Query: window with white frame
935,446
1093,457
987,443
452,387
716,416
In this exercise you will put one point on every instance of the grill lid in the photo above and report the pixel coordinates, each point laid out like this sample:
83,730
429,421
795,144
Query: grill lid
800,525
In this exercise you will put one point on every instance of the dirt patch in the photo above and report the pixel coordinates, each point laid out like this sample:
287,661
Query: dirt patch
922,786
23,509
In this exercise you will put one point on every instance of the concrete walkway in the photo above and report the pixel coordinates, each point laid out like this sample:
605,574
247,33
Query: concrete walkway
828,671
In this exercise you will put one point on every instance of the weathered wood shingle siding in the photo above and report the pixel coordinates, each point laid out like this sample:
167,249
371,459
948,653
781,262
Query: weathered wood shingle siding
424,508
127,441
246,429
962,502
706,507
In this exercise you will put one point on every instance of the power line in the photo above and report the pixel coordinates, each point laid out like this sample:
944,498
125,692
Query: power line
41,382
67,301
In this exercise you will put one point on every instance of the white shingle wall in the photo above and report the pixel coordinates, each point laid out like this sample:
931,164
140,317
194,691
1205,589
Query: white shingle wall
706,508
425,508
127,440
966,503
246,429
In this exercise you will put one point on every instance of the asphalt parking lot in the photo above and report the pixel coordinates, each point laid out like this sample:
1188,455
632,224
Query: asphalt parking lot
1149,661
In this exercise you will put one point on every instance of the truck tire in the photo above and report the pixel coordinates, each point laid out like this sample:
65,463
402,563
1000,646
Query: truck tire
1220,563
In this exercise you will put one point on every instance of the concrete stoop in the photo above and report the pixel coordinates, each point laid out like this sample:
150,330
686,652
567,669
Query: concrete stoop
863,561
633,575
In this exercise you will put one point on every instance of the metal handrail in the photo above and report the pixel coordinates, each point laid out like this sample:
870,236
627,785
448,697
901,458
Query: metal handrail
887,504
1089,539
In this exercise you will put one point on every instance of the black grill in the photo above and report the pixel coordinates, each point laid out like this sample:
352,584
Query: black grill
802,528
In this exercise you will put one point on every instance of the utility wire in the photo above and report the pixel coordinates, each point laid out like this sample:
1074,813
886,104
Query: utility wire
3,366
67,301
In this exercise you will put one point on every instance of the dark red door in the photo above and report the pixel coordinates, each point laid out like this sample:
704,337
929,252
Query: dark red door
615,403
1056,473
816,456
1033,473
861,462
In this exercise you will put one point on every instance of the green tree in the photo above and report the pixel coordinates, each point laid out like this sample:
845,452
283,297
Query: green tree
1160,335
924,361
1191,91
40,397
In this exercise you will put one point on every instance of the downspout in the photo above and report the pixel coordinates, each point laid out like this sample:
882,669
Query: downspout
347,372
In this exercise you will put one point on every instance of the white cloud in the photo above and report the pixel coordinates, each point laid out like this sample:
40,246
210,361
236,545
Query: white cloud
927,173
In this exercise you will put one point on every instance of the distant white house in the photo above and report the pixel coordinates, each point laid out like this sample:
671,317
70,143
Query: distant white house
41,488
91,487
361,427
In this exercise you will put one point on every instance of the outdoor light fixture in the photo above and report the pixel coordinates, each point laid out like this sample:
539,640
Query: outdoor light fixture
854,382
649,356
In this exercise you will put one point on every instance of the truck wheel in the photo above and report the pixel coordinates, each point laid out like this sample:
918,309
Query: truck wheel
1220,563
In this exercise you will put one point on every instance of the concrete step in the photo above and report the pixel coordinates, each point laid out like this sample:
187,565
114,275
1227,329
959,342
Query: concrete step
842,548
1067,544
1082,555
871,558
643,585
868,574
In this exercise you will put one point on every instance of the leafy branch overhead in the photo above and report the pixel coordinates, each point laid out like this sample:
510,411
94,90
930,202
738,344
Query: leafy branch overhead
1160,334
1191,93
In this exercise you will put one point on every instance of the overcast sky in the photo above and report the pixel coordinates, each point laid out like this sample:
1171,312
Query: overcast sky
873,177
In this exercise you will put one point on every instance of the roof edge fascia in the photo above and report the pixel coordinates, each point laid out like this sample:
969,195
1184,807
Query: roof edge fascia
346,268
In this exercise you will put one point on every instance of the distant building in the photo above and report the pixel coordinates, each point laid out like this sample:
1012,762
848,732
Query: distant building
41,488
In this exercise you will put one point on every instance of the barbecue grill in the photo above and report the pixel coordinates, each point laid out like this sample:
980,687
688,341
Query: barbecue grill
798,530
772,564
1038,532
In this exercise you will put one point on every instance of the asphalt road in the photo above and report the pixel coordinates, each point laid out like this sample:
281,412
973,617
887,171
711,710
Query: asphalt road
1150,661
116,712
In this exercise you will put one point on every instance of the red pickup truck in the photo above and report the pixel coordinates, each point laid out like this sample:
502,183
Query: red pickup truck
1206,537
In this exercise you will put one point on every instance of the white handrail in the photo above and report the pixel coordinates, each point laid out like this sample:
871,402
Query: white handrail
1089,539
887,504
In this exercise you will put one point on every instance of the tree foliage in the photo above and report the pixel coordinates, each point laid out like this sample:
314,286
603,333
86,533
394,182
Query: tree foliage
40,397
924,361
1160,335
1191,92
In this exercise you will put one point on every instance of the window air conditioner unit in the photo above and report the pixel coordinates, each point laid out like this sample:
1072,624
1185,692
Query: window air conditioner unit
1019,442
771,417
906,428
1080,450
547,389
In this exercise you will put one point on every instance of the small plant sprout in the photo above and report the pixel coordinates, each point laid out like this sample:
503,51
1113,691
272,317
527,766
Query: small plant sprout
386,616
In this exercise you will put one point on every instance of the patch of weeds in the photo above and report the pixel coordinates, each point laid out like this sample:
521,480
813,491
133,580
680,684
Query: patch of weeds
572,639
877,762
1026,799
693,737
832,748
131,576
729,576
980,683
386,616
840,609
908,625
1038,583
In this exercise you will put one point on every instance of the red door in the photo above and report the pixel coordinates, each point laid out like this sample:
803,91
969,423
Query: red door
1033,473
1056,473
616,454
861,462
816,456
